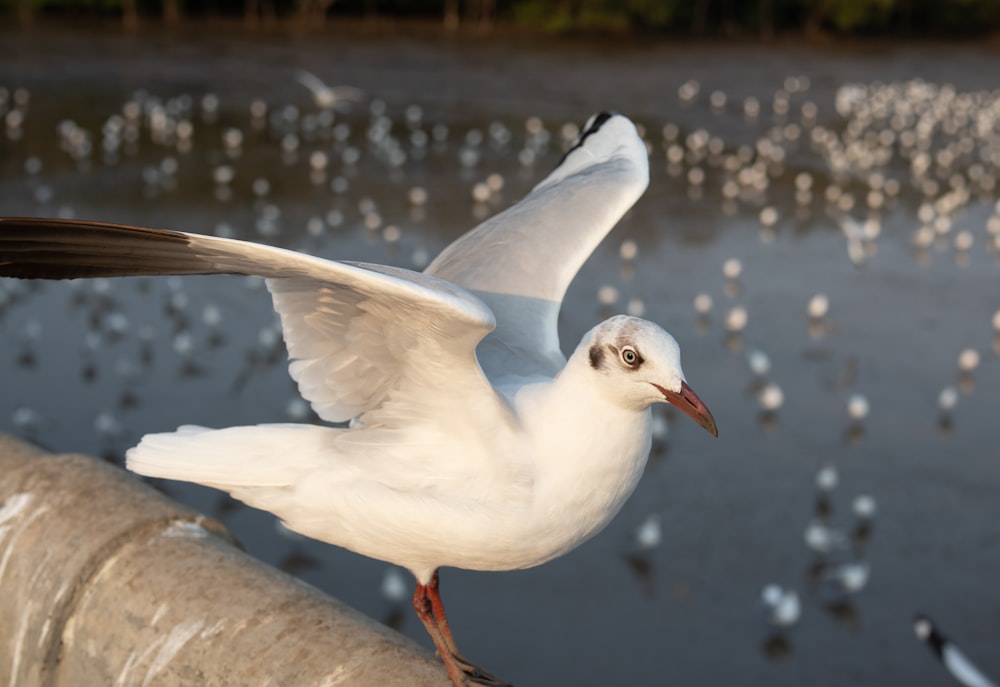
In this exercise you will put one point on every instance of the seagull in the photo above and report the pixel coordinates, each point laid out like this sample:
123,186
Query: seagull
472,441
328,97
854,232
783,605
958,665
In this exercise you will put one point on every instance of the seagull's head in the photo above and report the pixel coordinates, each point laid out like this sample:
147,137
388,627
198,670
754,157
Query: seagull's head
638,363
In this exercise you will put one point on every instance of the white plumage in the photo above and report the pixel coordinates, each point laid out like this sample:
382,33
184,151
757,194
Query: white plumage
473,442
328,97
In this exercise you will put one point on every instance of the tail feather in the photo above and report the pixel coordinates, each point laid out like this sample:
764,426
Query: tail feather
257,456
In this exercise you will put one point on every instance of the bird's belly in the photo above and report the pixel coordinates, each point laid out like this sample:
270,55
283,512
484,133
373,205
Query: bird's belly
562,515
504,522
505,535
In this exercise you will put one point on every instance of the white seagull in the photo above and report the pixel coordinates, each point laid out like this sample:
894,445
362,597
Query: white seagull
328,97
473,442
961,668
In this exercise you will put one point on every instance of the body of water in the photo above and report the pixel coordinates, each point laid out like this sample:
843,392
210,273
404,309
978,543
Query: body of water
857,462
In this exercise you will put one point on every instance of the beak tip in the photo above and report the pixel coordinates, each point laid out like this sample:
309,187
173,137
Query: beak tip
708,422
687,400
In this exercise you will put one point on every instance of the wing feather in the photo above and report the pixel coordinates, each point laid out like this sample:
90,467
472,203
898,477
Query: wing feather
521,261
357,334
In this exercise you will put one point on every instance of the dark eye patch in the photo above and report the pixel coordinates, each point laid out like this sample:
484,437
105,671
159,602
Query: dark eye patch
596,356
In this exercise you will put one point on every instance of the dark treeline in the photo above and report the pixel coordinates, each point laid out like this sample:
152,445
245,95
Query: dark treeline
930,18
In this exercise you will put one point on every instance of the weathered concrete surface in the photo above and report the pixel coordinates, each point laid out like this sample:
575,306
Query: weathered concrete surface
103,581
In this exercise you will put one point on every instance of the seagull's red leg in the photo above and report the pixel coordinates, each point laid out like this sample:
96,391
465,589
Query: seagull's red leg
425,611
430,610
437,607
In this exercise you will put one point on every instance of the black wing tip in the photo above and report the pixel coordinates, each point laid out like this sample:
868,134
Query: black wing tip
597,121
592,126
32,223
56,248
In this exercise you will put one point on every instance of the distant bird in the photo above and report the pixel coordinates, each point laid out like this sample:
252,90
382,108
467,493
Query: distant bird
819,306
854,232
783,605
858,407
329,97
474,442
961,668
849,577
824,539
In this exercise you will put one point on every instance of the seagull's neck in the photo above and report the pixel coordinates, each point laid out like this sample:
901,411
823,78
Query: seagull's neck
589,451
591,427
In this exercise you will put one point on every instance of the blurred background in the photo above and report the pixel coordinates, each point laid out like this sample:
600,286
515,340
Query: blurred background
821,234
762,18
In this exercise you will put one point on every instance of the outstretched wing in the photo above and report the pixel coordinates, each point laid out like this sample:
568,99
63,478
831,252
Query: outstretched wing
361,336
521,261
328,96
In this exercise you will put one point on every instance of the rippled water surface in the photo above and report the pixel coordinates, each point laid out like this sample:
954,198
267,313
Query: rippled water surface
862,174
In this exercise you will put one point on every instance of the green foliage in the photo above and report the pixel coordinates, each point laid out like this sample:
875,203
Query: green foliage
881,17
590,15
853,15
945,17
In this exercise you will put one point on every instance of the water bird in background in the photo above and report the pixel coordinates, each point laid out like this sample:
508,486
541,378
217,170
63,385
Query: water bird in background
328,97
473,442
957,664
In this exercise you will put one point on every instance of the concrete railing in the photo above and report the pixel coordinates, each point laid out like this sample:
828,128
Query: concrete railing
103,581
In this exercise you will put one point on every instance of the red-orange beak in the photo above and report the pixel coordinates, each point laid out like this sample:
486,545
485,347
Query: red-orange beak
687,400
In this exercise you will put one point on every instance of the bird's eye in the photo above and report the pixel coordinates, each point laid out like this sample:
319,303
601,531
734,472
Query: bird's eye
630,357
